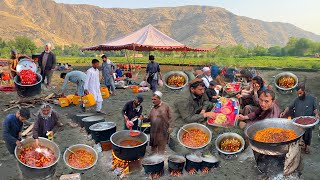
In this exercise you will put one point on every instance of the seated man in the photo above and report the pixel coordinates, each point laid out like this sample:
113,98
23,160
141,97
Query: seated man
212,92
132,110
46,123
194,108
267,109
220,79
249,96
118,72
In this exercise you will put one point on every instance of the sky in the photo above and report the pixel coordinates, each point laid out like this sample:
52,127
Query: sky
304,14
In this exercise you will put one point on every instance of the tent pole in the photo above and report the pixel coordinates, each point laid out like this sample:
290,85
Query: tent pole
185,54
126,53
134,60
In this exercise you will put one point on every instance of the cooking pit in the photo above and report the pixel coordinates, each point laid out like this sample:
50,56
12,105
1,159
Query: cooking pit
124,167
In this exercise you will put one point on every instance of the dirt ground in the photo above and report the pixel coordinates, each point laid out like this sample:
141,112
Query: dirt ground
241,167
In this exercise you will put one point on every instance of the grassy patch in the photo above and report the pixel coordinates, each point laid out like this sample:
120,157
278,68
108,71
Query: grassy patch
259,61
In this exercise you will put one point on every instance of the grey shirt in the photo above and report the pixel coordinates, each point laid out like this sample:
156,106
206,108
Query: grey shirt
107,68
74,77
304,107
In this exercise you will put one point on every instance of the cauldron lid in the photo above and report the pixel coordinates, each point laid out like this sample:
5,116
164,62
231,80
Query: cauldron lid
102,126
93,118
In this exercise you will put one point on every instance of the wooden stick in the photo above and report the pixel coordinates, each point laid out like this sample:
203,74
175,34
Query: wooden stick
49,96
25,132
15,106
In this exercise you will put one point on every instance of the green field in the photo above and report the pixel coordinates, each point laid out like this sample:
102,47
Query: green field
258,61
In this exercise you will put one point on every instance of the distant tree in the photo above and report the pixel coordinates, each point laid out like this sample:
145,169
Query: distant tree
302,46
259,51
25,45
275,51
5,52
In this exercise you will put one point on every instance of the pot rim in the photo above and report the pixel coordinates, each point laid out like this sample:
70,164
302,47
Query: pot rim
151,164
286,74
229,134
178,157
181,73
54,163
272,120
91,128
84,119
80,145
15,79
195,124
115,144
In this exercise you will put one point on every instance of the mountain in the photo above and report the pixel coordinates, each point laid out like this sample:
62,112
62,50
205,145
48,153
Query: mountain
198,26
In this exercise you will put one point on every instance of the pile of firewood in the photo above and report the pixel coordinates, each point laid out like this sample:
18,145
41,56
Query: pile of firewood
30,103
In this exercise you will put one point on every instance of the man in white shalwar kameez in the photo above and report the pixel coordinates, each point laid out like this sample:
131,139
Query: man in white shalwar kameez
92,84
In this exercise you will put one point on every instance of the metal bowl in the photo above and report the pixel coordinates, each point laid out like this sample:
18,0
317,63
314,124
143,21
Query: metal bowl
25,64
194,126
229,135
308,125
38,172
170,73
286,74
76,147
272,148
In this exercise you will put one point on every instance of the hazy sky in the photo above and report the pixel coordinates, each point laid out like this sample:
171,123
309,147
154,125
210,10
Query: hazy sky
302,13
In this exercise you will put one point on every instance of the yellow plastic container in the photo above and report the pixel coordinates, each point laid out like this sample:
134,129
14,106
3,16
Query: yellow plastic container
135,89
76,100
88,100
70,97
104,92
64,102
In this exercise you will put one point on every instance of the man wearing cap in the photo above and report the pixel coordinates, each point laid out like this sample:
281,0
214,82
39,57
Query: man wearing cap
160,117
12,127
206,76
132,110
303,105
153,74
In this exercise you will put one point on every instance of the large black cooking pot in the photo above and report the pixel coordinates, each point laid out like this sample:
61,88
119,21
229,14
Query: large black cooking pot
210,162
153,164
193,162
176,162
102,131
79,117
38,172
88,121
28,90
129,153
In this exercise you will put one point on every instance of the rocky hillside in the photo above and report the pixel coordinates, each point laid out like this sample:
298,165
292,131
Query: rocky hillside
45,20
